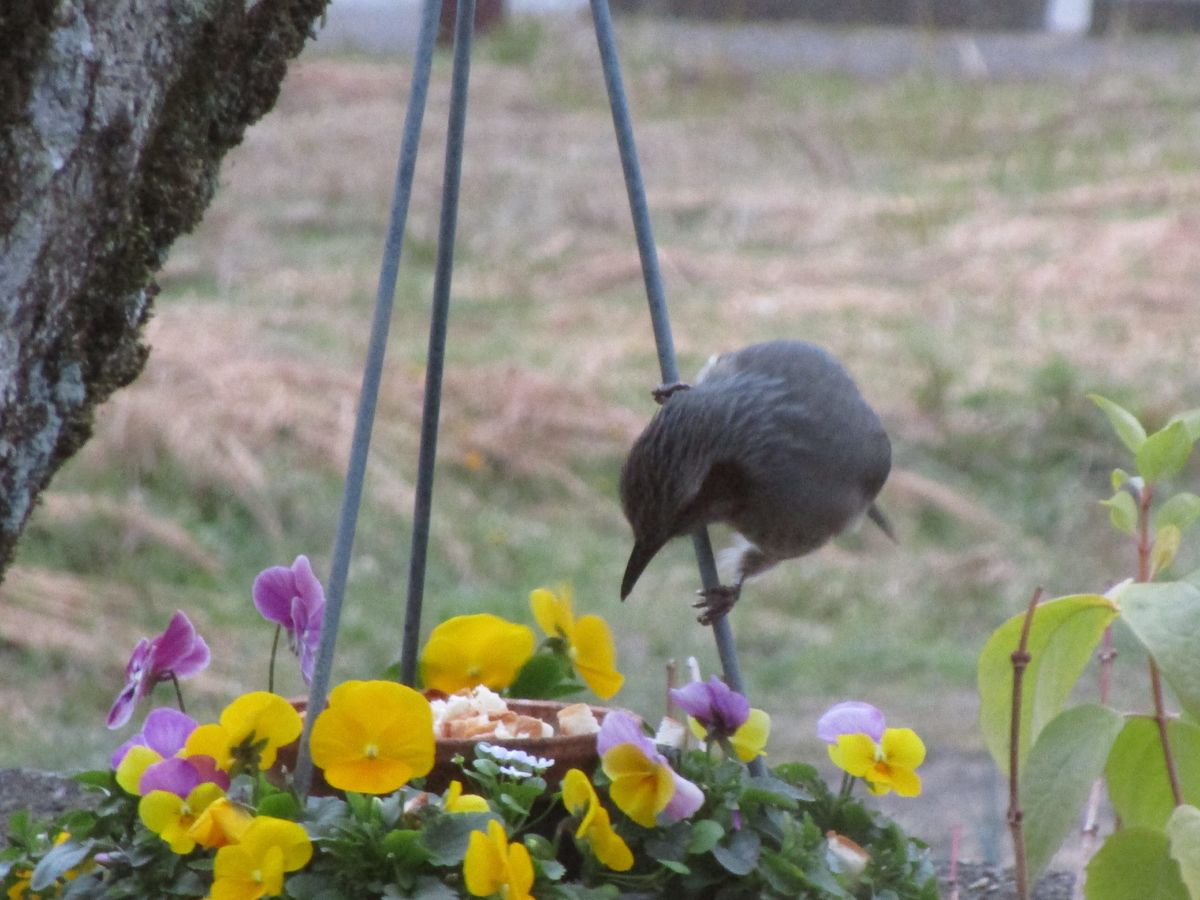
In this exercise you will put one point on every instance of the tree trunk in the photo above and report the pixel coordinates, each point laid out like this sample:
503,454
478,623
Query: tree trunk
114,118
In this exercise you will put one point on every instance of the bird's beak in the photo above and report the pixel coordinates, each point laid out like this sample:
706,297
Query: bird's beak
875,514
643,552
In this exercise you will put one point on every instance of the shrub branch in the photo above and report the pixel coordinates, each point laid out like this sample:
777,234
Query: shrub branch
1020,660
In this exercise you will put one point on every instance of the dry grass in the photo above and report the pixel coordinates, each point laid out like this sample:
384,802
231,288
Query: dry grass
979,254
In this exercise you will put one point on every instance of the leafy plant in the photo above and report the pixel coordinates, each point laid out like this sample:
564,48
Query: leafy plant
1150,761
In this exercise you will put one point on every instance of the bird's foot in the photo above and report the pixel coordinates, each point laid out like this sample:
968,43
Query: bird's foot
716,602
664,391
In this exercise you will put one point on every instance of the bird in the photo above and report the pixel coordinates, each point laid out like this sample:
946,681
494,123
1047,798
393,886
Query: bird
774,440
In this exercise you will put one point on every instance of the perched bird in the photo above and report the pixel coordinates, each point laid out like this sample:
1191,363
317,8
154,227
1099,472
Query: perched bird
774,440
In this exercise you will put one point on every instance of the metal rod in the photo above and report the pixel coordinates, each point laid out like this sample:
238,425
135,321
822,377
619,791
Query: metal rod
435,360
623,125
369,395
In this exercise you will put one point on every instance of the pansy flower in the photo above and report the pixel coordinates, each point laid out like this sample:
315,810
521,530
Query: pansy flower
466,651
589,643
222,822
163,735
595,827
176,653
171,813
722,714
254,867
860,744
494,866
456,801
292,598
249,733
644,786
373,737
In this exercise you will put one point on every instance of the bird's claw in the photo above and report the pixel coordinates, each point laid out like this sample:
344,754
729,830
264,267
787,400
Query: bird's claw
663,392
716,602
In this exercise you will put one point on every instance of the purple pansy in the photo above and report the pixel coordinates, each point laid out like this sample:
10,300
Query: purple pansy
620,727
165,731
181,775
177,652
851,717
716,706
293,598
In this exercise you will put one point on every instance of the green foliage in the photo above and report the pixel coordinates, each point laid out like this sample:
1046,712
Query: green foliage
1067,758
1158,839
1134,864
1137,771
1183,830
1165,617
1062,637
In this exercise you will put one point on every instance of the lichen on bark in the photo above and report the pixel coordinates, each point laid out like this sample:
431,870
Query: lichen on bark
114,119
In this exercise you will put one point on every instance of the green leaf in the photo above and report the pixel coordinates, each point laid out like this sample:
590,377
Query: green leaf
58,862
1183,831
1164,453
675,866
1062,637
1166,545
1134,864
1181,511
1123,422
1191,421
739,854
404,846
1137,770
704,836
1122,511
539,677
1166,619
1119,479
445,839
282,805
1067,758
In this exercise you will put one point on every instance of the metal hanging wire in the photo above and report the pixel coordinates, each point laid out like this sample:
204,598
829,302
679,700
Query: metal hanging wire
373,367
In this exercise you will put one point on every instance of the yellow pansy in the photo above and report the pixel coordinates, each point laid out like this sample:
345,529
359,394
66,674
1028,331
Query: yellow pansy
221,823
494,866
588,639
252,719
466,651
255,865
134,765
595,826
886,766
373,737
641,786
750,740
456,801
171,817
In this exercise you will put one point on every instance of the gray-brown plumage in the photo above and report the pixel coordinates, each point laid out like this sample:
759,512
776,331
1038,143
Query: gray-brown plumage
774,440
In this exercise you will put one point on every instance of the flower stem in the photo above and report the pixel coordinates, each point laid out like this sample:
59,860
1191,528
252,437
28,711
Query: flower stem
1020,660
271,668
847,786
178,693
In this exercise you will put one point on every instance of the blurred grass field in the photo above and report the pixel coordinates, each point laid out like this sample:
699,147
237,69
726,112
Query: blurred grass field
980,255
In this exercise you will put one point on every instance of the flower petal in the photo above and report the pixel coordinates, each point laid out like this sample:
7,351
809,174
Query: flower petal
553,612
173,775
902,747
595,656
178,649
685,801
750,740
853,752
851,717
621,727
166,730
466,651
273,591
641,786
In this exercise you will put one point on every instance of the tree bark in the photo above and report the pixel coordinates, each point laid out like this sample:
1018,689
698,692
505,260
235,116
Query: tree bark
114,117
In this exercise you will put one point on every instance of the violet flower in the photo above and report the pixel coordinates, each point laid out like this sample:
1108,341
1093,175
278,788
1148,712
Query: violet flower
176,653
620,727
716,706
181,775
850,717
293,599
165,731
